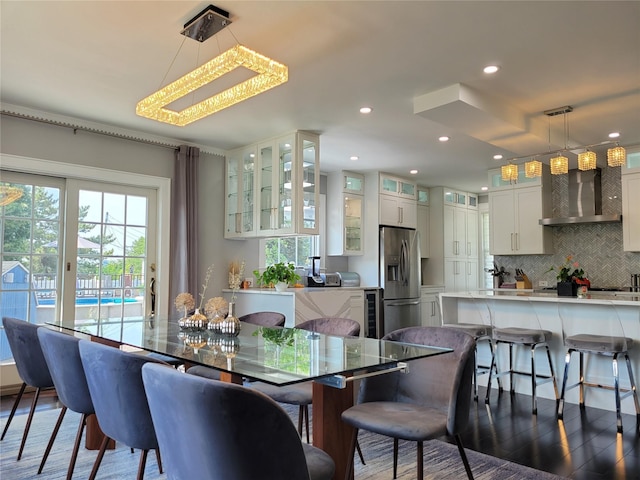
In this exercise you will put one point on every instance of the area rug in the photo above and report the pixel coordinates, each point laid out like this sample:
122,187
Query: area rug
441,460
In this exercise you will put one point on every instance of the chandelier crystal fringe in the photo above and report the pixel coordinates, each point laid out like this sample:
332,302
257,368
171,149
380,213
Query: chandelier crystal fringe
559,165
509,172
269,74
616,156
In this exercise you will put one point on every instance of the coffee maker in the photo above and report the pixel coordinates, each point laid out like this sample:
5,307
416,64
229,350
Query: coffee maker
315,279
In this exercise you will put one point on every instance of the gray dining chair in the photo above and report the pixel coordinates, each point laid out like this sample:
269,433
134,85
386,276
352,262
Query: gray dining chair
115,384
63,358
217,430
32,367
432,400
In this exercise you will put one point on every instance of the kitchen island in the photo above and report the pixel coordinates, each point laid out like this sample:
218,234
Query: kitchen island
463,307
301,304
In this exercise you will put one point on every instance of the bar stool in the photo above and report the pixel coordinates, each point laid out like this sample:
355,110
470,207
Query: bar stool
520,331
477,323
600,334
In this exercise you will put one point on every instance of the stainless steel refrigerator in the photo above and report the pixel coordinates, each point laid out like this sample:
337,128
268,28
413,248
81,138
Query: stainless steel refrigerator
399,278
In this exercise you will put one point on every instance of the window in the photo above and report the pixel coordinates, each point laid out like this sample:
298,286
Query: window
295,249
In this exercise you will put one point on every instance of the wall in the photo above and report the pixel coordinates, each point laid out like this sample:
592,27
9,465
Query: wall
596,247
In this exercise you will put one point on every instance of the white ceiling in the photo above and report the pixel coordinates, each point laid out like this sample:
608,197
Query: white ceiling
94,60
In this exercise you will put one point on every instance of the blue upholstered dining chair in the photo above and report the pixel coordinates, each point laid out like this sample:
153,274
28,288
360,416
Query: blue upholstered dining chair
217,430
63,358
432,400
115,383
31,364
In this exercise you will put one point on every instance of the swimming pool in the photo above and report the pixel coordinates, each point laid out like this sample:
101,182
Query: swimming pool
89,301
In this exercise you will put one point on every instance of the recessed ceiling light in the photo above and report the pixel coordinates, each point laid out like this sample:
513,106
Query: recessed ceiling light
491,69
366,110
497,157
443,138
614,134
413,172
354,157
484,189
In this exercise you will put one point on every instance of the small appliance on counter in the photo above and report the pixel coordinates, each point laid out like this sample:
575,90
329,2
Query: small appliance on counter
331,279
349,279
315,279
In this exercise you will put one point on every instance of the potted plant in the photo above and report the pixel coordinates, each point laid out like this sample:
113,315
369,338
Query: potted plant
279,275
569,276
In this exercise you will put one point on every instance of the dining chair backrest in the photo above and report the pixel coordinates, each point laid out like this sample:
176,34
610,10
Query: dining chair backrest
205,428
442,380
342,327
27,353
115,383
264,319
600,322
63,358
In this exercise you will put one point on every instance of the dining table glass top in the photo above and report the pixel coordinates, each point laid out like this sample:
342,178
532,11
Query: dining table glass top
279,356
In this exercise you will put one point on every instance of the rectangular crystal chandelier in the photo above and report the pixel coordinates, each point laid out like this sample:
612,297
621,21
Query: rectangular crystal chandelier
533,169
587,160
270,74
616,156
509,172
559,165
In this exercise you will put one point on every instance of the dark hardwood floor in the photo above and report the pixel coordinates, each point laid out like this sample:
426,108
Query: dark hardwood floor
584,446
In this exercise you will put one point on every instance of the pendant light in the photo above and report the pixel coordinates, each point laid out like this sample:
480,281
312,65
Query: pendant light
533,168
560,164
587,160
509,172
616,156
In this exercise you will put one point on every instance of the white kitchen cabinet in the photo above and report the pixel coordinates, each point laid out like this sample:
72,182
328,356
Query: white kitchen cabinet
631,212
285,173
514,216
397,212
345,214
397,187
430,306
453,240
240,198
423,229
422,195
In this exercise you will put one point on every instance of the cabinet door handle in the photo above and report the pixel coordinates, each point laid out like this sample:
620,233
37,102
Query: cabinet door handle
238,222
517,243
512,242
468,249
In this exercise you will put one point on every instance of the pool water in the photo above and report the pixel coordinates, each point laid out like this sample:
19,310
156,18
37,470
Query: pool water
89,301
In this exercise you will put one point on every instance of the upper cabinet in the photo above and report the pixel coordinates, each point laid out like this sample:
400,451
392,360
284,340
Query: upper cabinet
397,202
345,213
514,214
285,175
630,201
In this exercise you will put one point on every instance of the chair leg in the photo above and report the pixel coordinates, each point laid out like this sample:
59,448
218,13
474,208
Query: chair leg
632,384
616,388
360,452
300,419
29,419
96,464
420,461
463,455
491,367
395,458
142,464
534,382
475,372
159,460
13,409
581,379
553,373
511,382
567,361
306,420
52,439
76,446
352,448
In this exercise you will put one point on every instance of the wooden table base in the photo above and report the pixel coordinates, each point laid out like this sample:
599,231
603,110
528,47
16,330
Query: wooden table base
330,433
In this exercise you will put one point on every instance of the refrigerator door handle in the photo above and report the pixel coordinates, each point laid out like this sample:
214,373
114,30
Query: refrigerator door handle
400,303
404,263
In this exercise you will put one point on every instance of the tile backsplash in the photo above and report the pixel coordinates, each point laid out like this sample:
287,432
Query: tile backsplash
597,247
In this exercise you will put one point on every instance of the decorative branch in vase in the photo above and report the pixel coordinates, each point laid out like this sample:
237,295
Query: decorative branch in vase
199,320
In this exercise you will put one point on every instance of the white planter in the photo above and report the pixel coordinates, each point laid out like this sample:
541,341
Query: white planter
281,286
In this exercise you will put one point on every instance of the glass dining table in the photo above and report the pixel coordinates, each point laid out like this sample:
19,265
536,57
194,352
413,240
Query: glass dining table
278,356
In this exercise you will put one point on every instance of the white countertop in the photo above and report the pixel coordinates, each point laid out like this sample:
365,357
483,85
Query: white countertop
292,290
615,298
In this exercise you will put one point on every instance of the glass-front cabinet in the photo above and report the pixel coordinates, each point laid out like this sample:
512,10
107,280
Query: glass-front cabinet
284,196
240,218
345,210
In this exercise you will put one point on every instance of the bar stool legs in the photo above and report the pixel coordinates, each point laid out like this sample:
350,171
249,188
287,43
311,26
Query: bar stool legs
616,385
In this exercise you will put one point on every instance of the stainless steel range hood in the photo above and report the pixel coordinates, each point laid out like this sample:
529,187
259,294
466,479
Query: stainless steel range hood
585,200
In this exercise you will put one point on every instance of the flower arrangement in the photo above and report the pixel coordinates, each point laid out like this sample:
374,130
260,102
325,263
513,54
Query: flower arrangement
216,306
184,301
569,271
205,285
236,271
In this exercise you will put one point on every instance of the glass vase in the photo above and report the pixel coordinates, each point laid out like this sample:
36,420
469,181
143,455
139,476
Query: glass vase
198,321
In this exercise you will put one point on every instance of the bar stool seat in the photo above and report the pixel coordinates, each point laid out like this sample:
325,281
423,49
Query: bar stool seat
598,343
524,336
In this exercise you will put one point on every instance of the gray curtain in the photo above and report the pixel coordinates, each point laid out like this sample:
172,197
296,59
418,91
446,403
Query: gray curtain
184,224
